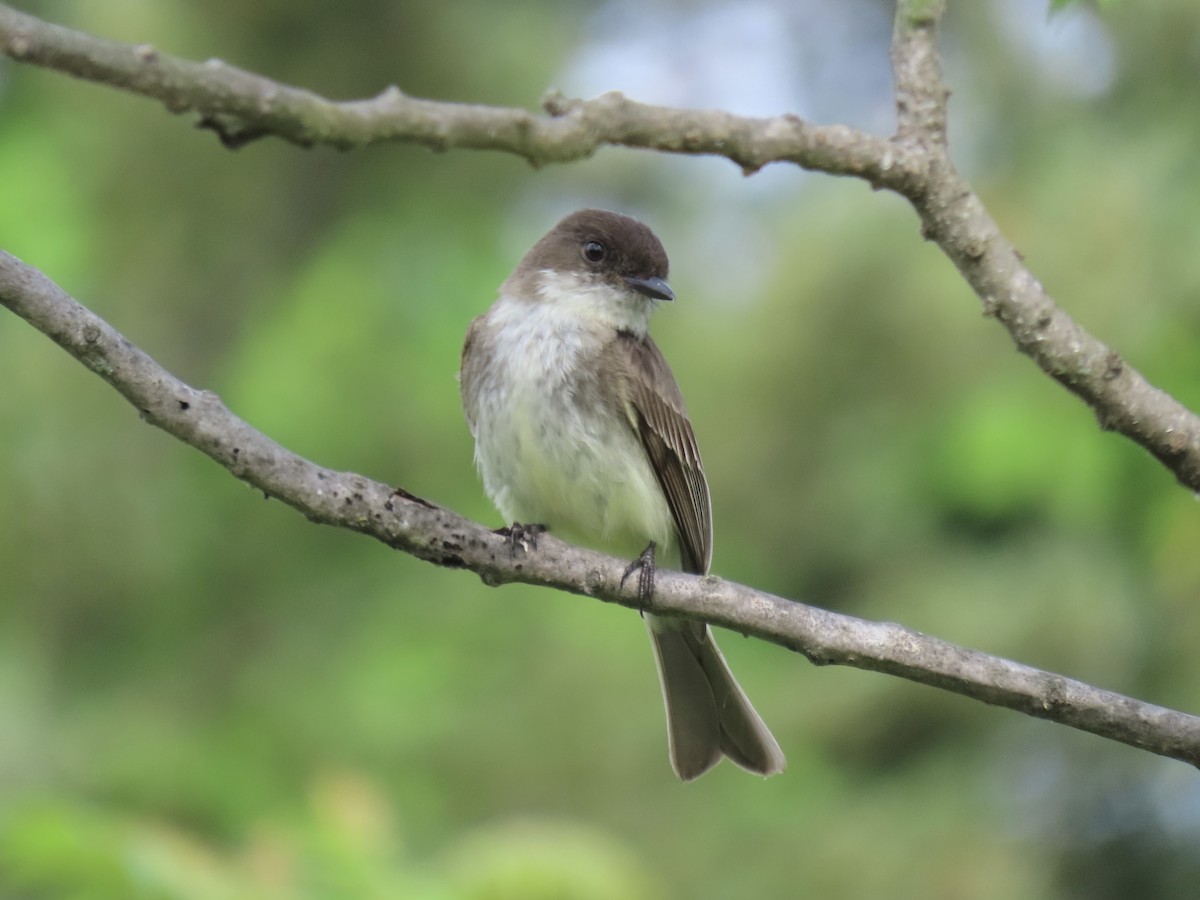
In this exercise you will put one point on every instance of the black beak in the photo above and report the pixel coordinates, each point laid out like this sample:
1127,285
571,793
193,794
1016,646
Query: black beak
653,287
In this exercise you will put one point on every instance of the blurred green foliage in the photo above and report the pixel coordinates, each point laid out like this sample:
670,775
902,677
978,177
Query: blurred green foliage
204,696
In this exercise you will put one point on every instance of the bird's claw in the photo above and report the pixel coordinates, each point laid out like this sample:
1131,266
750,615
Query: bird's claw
644,566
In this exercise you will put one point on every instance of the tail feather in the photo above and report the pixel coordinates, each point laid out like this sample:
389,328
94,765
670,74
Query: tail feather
708,714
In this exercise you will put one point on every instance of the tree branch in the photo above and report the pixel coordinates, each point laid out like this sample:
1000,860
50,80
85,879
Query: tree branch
241,106
920,94
954,217
407,523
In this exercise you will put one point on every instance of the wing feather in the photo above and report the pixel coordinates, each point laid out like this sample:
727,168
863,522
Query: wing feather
654,405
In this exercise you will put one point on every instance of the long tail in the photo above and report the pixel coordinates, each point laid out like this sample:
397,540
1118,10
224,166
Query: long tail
708,715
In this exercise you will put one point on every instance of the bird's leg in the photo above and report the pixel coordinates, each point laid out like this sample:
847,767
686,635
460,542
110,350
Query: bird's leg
523,536
644,566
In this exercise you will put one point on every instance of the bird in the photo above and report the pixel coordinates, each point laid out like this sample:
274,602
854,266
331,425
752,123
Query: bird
580,428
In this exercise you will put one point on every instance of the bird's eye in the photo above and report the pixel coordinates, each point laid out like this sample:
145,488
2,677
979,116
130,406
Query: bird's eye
593,251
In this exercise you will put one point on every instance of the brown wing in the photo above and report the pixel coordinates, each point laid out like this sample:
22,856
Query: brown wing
655,408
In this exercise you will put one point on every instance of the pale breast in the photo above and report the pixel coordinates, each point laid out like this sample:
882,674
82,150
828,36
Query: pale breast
550,449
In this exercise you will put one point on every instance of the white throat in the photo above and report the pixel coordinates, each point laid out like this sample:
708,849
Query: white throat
586,301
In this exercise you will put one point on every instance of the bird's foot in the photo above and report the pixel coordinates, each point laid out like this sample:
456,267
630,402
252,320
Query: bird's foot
644,566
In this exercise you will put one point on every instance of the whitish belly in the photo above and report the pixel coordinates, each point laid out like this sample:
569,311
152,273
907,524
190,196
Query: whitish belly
574,466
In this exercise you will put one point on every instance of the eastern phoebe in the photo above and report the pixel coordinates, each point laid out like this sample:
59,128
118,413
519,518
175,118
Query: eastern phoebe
580,427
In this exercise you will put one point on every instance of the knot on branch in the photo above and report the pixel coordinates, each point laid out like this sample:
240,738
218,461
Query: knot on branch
18,45
558,104
233,132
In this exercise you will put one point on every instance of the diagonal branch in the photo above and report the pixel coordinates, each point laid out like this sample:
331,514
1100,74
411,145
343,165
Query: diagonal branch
954,217
406,523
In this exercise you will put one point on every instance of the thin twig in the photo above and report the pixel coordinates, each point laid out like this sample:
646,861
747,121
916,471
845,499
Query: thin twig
241,106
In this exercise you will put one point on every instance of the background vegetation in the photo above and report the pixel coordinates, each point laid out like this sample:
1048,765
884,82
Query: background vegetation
204,696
